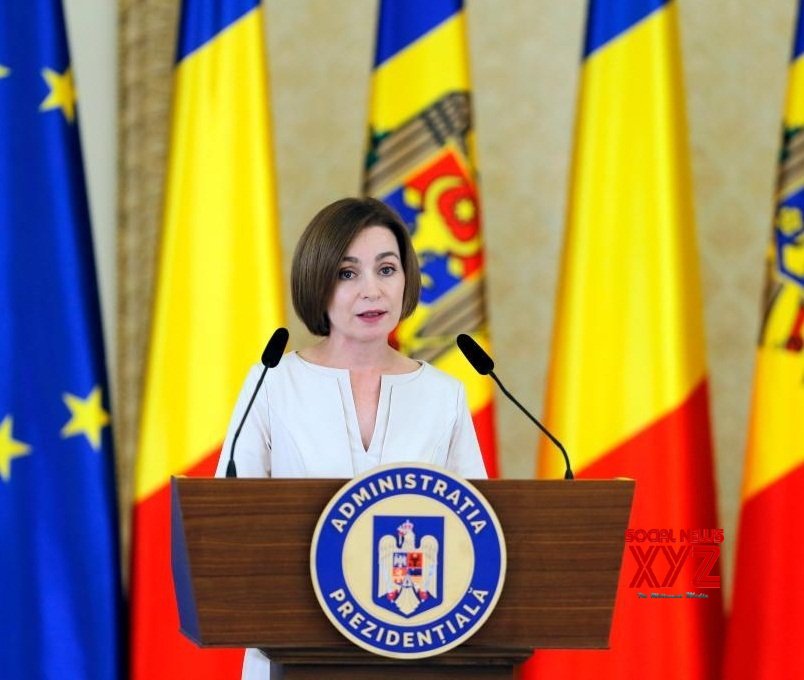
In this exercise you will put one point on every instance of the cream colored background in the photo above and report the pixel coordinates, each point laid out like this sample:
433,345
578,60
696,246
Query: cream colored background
525,61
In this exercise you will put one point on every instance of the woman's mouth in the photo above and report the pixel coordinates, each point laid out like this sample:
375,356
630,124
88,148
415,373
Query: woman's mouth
371,315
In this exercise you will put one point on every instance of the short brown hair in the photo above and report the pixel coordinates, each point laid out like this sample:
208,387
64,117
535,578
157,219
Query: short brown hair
322,247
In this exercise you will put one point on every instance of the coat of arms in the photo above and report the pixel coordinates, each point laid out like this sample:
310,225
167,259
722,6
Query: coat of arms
407,570
437,571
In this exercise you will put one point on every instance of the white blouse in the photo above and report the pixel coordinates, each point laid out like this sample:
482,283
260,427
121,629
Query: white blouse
303,423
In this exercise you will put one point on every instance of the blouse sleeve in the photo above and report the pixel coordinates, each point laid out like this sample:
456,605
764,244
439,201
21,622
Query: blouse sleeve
464,457
253,452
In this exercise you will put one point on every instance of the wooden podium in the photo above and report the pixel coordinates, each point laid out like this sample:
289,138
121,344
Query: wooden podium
241,570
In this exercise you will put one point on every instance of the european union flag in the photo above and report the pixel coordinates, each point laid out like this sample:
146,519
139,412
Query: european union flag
60,596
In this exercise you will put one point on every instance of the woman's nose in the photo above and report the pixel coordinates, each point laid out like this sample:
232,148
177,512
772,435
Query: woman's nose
371,289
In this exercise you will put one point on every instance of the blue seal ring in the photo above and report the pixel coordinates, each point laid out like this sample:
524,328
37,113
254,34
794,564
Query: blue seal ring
407,638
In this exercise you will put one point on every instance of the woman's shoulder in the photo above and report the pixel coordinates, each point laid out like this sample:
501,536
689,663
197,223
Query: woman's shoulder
289,366
437,378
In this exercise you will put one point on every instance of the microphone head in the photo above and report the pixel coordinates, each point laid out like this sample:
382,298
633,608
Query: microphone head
475,354
272,354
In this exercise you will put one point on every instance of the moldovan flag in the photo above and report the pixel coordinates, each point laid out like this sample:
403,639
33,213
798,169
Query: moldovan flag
627,391
61,606
766,626
421,162
218,298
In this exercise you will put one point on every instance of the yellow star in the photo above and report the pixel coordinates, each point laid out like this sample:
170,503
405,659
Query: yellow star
62,93
4,71
9,447
87,417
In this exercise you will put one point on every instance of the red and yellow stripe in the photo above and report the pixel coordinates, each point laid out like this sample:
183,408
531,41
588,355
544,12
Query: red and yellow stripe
627,387
766,627
421,161
219,296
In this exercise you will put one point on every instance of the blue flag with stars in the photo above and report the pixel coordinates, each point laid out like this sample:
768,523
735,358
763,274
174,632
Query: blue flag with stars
60,595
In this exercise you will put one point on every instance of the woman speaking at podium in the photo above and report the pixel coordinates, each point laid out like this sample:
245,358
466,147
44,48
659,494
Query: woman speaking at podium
351,402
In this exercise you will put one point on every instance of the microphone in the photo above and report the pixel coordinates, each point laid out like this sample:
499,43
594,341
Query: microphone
271,356
484,365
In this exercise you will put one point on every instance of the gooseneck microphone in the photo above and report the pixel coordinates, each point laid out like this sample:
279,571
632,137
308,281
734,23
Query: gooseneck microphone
484,365
271,356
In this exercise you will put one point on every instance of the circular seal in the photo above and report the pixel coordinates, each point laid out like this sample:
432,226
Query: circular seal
408,561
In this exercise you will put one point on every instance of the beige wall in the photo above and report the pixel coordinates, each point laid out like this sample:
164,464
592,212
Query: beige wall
91,27
525,67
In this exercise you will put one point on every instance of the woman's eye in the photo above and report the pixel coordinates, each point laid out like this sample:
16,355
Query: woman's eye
346,274
387,270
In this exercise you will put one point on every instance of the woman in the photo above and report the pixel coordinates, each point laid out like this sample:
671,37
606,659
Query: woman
351,402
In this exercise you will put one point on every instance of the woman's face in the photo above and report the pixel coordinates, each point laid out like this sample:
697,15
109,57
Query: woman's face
366,301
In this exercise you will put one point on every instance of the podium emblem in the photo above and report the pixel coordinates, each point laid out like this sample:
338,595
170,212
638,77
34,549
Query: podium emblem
408,561
408,572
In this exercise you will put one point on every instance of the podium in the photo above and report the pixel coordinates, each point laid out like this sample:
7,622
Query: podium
241,570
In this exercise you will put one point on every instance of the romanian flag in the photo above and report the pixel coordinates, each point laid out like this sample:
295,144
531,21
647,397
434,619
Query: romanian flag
627,391
219,296
766,626
421,162
61,610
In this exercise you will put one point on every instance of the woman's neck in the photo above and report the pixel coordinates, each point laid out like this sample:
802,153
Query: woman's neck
361,357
